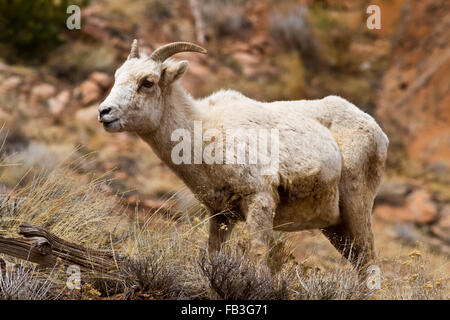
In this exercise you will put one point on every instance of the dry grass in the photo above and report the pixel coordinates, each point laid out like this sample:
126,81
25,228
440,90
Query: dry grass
66,206
232,276
22,283
415,276
341,283
151,276
167,259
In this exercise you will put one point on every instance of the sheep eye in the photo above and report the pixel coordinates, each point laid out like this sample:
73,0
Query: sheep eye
147,83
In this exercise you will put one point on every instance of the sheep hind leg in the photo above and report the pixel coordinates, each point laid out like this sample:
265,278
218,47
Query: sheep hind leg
353,236
259,211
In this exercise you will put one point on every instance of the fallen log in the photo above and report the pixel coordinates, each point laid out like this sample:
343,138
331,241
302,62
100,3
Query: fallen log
47,250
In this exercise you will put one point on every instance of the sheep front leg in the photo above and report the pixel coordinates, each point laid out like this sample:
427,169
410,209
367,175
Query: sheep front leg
220,228
259,212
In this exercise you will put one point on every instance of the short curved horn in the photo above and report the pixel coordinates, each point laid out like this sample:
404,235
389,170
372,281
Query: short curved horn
170,49
134,53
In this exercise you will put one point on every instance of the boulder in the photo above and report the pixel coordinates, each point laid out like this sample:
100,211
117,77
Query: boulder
417,207
392,193
248,62
41,93
90,92
441,228
422,207
393,213
102,79
57,104
9,84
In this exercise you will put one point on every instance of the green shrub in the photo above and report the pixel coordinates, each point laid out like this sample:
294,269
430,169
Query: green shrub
30,29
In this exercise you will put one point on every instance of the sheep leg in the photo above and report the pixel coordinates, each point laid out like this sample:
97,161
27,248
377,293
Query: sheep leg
259,211
220,228
353,237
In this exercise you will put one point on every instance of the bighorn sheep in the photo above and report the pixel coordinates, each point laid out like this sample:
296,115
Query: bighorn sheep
330,162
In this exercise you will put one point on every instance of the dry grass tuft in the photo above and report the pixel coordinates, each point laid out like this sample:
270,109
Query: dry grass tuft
414,278
341,283
65,205
22,283
151,277
233,277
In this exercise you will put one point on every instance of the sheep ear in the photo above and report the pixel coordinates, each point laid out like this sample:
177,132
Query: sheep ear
173,72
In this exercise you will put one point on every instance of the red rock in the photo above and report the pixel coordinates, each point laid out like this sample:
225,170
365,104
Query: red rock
133,199
9,84
248,62
90,92
422,207
393,213
413,100
392,193
40,93
418,207
57,104
102,79
198,69
196,76
154,204
442,228
87,115
109,165
121,175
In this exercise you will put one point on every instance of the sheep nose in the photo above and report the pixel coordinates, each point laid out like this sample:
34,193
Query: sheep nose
103,111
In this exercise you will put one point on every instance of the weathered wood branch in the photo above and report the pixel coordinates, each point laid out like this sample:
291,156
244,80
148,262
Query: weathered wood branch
41,247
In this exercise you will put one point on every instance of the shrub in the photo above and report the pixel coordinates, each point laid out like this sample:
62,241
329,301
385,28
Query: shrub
233,277
29,29
151,276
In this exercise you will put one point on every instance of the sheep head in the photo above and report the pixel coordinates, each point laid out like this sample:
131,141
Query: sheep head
135,102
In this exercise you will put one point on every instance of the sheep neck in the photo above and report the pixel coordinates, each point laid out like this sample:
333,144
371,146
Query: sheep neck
180,112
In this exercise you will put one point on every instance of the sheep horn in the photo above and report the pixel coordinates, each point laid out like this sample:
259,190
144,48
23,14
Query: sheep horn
170,49
134,53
